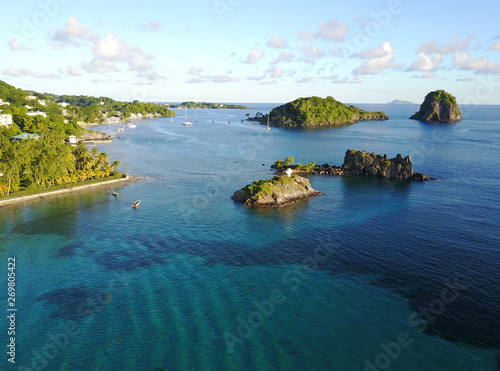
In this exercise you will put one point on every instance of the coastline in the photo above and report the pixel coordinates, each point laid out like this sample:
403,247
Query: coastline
36,196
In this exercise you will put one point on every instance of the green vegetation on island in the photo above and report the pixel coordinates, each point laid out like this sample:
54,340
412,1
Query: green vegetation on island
68,111
316,112
438,106
192,105
278,191
357,163
34,153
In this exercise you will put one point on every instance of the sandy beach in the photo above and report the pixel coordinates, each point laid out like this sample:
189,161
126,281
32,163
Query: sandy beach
38,196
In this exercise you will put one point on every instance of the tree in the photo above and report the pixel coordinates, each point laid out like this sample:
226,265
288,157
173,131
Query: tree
289,160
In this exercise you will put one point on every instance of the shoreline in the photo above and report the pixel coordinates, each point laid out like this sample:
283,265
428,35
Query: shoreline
37,196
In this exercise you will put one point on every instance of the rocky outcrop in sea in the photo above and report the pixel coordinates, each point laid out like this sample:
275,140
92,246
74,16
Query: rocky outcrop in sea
275,192
438,106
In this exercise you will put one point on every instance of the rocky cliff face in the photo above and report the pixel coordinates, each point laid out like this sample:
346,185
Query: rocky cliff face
438,106
370,164
277,193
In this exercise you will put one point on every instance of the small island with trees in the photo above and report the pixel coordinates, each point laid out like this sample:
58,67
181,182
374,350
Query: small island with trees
316,112
438,106
286,189
278,191
204,105
358,163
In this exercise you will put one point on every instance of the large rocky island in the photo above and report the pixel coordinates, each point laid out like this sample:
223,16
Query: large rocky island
278,191
316,112
438,106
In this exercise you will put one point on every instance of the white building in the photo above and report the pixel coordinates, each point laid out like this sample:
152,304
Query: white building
37,113
6,120
28,107
64,104
2,103
31,97
42,102
72,139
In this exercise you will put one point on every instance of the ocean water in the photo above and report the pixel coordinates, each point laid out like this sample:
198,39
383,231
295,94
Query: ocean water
372,275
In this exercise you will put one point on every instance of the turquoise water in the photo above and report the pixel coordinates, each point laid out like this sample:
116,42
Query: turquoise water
193,281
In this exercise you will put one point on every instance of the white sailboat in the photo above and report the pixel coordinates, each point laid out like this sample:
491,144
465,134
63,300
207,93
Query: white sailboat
186,122
268,127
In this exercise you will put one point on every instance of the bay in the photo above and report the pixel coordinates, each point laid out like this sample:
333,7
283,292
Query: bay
192,280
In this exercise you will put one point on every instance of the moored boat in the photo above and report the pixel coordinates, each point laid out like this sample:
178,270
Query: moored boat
136,204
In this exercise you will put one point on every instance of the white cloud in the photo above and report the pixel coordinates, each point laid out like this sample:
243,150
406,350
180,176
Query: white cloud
305,80
276,42
196,80
275,71
108,52
254,56
311,54
111,48
26,72
74,71
495,46
99,65
223,78
336,79
194,71
306,36
481,66
425,76
377,60
466,79
332,30
153,26
426,62
72,34
430,54
19,72
14,45
283,57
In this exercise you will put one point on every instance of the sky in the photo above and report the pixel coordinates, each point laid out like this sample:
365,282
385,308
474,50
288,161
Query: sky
246,51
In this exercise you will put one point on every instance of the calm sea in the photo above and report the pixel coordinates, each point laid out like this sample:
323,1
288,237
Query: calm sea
372,275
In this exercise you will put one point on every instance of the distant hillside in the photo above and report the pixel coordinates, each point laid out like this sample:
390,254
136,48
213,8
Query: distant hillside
398,101
191,104
316,112
71,108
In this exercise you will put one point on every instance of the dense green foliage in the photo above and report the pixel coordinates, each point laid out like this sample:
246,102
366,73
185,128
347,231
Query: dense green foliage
316,111
80,109
288,163
191,104
49,161
264,187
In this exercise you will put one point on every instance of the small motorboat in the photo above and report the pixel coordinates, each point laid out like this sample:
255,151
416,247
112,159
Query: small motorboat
121,130
115,194
136,204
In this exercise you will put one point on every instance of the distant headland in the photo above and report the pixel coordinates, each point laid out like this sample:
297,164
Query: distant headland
205,105
316,112
438,106
398,101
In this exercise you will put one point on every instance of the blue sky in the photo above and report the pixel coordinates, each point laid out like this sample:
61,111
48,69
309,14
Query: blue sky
253,50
